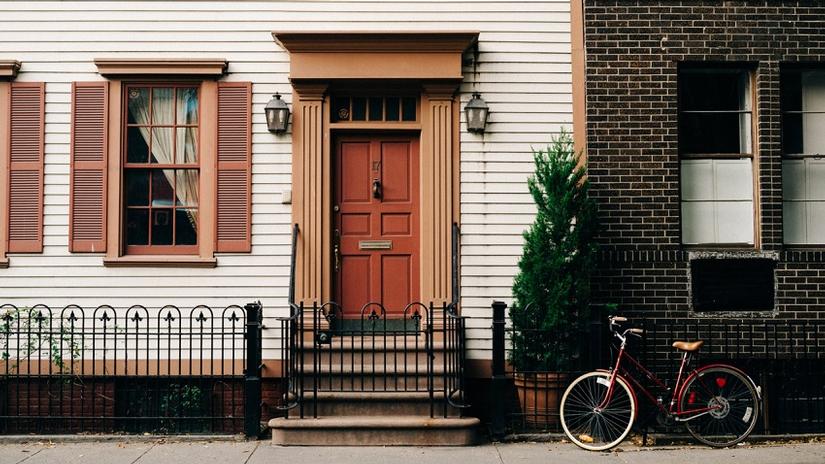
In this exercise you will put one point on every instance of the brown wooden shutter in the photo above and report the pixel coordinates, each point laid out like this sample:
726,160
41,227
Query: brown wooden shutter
87,203
26,167
234,167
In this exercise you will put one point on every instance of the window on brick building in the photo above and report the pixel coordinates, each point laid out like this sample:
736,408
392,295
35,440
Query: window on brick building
802,100
716,155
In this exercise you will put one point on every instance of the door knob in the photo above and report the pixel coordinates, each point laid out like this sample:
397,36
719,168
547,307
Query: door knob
376,188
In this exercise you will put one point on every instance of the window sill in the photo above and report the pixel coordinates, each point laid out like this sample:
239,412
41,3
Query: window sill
160,261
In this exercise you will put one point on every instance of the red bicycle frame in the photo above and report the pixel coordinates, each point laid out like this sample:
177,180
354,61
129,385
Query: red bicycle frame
675,409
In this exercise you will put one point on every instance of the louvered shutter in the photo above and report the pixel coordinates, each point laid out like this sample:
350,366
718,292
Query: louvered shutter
87,210
26,167
234,166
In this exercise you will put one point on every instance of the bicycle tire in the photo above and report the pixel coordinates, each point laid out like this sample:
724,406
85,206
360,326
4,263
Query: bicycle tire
597,430
736,395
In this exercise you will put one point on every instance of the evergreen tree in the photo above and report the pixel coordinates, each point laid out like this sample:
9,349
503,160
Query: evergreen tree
552,287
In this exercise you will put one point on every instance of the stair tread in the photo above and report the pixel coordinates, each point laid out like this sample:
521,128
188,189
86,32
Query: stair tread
372,396
361,422
357,369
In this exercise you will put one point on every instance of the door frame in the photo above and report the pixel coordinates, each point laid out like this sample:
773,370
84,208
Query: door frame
428,62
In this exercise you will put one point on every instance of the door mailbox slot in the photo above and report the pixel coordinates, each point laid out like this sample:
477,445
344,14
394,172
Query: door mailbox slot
375,245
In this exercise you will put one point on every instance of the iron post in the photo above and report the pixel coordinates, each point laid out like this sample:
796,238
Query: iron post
252,373
499,381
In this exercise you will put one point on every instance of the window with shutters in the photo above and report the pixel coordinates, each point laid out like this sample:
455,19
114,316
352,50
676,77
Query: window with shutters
161,164
716,152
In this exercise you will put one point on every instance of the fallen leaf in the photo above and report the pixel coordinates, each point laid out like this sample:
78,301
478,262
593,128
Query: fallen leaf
585,438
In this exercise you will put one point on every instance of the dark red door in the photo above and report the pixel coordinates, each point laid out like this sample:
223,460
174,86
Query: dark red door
376,222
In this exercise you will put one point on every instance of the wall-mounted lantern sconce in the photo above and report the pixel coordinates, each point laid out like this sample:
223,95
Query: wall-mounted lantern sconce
277,115
477,112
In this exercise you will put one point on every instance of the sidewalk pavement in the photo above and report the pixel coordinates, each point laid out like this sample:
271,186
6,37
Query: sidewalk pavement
128,451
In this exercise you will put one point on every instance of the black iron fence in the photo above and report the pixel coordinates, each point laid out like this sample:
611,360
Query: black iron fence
131,370
786,358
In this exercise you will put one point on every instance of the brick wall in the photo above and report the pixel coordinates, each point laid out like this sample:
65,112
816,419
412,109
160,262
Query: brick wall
633,49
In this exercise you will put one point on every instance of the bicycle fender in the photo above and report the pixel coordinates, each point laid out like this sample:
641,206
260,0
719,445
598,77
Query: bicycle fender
727,366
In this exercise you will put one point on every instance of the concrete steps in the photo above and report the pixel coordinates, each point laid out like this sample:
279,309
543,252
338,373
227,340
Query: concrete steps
395,403
375,431
373,391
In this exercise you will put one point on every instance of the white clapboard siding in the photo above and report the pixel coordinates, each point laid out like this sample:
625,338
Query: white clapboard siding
523,72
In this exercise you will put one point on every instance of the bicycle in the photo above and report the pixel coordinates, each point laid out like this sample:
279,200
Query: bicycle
718,403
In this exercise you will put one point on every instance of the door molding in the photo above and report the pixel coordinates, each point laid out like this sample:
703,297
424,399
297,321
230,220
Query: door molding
432,63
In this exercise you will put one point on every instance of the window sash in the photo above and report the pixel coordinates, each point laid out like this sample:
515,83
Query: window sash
153,167
715,209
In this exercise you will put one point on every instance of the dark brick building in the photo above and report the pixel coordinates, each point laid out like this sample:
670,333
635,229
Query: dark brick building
695,112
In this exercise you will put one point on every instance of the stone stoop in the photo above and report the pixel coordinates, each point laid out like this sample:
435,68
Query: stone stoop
375,395
375,431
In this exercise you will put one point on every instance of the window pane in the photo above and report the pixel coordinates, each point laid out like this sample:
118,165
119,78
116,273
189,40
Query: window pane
790,88
162,145
186,187
162,226
734,179
359,109
793,222
393,109
813,133
714,90
734,222
816,222
813,91
137,145
340,109
137,187
187,145
708,133
163,106
186,227
187,106
137,227
163,187
408,109
138,106
376,109
697,180
816,178
698,222
792,134
794,179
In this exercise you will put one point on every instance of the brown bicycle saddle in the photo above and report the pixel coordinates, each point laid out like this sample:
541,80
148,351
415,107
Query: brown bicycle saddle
688,346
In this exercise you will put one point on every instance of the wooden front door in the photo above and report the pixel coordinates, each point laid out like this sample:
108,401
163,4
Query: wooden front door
376,216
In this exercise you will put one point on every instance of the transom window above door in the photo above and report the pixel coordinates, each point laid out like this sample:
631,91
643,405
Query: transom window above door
161,169
353,108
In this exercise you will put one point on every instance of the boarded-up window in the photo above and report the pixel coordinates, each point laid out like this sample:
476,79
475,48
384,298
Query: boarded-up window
732,284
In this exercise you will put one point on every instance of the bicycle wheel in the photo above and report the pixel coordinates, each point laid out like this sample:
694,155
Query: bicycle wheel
588,426
735,402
